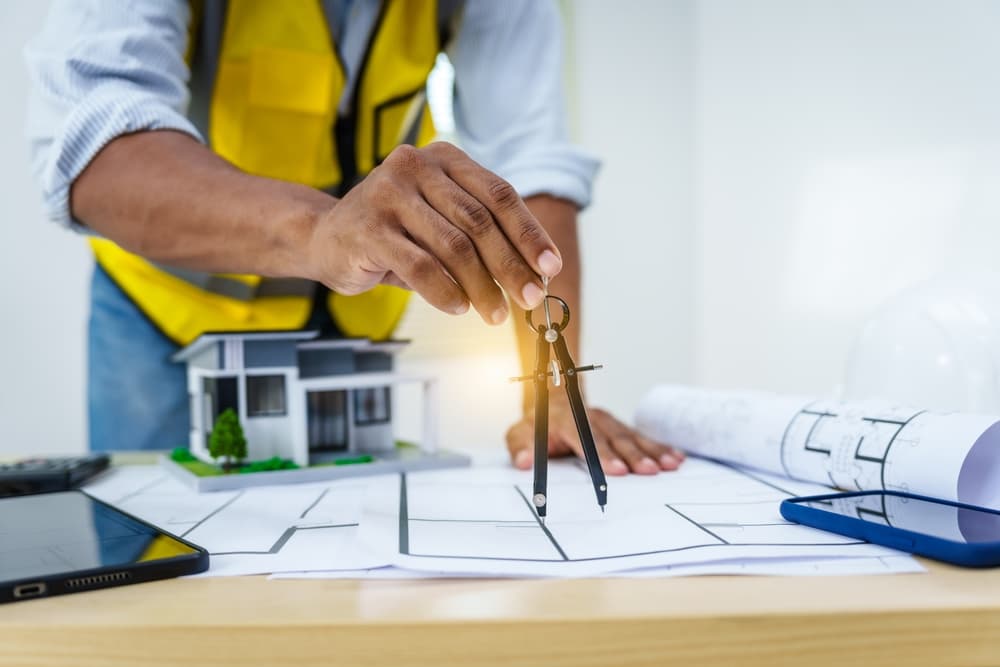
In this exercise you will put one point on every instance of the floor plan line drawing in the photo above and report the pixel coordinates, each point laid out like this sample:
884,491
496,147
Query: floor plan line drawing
259,529
827,431
638,553
752,475
702,526
287,535
561,552
862,513
812,428
221,507
352,526
871,446
852,445
404,516
314,503
892,441
142,489
541,524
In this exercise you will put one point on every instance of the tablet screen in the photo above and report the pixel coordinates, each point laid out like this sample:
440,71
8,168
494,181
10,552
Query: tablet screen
56,533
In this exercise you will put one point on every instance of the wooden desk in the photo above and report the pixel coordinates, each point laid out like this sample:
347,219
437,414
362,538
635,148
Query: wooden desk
948,617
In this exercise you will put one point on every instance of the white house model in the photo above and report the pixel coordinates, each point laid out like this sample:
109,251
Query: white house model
297,396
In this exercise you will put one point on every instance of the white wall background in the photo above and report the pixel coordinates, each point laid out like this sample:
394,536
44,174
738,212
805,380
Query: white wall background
44,273
632,83
845,149
773,170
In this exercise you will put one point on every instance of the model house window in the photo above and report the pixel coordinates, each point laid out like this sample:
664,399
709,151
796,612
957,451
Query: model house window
219,394
265,395
371,406
327,420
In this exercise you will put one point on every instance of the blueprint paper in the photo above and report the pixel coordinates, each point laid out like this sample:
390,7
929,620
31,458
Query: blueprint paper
252,531
861,445
481,522
787,567
720,520
794,567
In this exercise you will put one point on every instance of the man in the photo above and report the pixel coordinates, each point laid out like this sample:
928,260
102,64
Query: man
247,165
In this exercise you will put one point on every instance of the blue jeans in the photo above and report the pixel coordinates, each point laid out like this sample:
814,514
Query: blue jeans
137,398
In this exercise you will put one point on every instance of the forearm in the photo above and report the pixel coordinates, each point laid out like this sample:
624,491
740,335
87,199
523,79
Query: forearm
168,198
558,217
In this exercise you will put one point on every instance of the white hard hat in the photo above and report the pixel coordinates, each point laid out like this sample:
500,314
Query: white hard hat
934,346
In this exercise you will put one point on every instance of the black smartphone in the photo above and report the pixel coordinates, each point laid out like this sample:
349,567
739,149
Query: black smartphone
68,541
941,529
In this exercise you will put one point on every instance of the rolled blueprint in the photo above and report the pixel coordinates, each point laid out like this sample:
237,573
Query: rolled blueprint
851,445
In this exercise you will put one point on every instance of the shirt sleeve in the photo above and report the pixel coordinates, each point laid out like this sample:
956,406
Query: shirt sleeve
509,106
100,69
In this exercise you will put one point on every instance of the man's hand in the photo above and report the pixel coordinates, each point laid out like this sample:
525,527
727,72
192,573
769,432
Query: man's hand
432,220
620,448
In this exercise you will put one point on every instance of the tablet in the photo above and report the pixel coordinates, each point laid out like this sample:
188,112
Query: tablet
942,529
65,542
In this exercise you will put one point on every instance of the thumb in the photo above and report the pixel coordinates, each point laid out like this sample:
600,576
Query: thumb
520,443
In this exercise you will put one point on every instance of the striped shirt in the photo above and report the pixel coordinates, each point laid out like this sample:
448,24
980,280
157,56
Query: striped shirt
104,68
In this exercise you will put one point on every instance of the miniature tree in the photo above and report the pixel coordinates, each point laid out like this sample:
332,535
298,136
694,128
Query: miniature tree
227,439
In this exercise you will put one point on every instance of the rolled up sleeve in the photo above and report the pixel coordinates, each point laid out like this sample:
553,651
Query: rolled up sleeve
510,111
101,69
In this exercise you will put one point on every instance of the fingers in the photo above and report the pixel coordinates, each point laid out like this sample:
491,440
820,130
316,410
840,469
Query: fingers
519,225
434,220
618,454
520,440
483,233
637,460
620,449
493,213
392,279
668,458
624,450
562,428
459,255
476,222
521,443
415,267
643,456
611,462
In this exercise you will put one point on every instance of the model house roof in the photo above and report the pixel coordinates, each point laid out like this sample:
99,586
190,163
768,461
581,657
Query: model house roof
355,344
304,340
203,341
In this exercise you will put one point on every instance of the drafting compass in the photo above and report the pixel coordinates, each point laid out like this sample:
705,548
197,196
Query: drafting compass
563,371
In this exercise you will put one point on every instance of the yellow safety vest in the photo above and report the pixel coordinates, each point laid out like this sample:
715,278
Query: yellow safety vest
273,113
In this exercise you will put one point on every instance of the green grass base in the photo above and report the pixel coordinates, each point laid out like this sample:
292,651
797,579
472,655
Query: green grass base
201,469
183,457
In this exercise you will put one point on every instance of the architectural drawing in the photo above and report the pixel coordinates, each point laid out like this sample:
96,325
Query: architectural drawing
852,444
869,445
705,512
477,521
255,530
